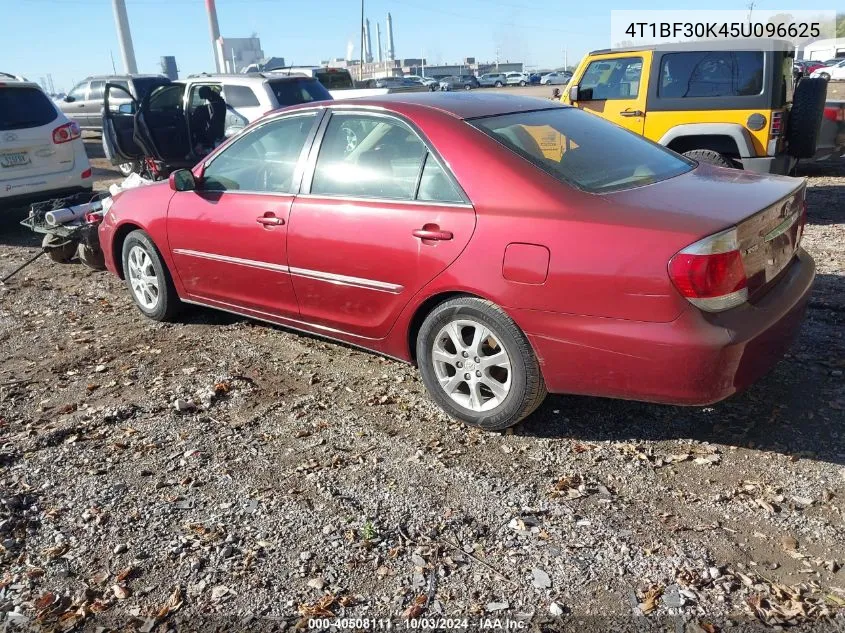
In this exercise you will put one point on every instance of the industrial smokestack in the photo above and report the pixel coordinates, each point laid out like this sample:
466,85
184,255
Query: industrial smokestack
215,32
368,43
391,52
127,51
378,41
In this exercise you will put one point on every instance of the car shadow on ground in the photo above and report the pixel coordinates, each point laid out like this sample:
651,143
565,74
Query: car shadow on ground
798,409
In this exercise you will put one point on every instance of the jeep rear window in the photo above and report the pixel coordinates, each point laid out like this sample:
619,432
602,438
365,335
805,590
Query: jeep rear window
711,74
581,149
290,92
24,107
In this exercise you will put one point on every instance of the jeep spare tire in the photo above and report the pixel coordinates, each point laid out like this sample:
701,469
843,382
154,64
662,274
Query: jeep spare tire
805,118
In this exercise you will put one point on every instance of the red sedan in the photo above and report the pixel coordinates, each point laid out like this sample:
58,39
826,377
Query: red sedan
508,246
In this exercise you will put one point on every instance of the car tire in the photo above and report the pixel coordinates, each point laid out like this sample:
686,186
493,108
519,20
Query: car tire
824,76
59,249
148,279
458,335
710,157
468,87
523,83
805,117
93,258
498,84
126,169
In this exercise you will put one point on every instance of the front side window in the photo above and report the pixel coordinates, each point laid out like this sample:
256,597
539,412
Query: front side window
96,93
262,161
581,149
79,92
166,98
611,79
370,157
711,74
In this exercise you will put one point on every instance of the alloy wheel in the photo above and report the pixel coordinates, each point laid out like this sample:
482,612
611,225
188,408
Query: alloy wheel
471,364
146,286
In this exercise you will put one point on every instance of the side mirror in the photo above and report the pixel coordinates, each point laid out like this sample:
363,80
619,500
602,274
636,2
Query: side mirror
69,99
573,93
182,180
126,108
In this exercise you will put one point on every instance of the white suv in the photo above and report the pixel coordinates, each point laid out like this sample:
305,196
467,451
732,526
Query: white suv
41,151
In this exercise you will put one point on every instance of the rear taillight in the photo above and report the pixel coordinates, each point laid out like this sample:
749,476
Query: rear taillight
710,273
87,173
66,133
776,128
835,114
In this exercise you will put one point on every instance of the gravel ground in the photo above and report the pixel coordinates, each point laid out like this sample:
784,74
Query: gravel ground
222,471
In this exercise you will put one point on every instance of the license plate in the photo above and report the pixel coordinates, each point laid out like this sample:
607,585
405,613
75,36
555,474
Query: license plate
14,159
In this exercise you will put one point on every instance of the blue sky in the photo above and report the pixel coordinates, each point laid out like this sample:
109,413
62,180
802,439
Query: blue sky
74,38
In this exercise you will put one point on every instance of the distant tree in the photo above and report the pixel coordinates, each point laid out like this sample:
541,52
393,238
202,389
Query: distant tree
840,25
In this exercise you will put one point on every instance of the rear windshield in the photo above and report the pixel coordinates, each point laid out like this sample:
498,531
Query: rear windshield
582,149
334,80
25,107
295,91
144,85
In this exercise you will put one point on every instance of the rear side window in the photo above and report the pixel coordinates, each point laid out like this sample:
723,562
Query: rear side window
711,74
240,97
25,107
582,149
290,92
143,85
96,92
368,157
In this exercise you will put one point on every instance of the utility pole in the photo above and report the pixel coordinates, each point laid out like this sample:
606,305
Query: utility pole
497,59
124,36
113,69
361,66
566,58
750,9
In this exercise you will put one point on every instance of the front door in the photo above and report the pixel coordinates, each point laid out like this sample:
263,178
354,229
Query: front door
94,104
74,104
614,87
119,125
162,125
228,238
379,219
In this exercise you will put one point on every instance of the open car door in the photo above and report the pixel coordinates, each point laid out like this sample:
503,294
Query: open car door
119,109
161,126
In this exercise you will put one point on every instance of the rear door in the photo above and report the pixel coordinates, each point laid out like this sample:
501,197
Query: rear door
614,87
120,108
379,217
27,144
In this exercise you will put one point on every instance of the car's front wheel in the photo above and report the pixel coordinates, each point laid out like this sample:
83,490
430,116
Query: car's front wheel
126,169
478,365
148,279
523,83
498,84
824,76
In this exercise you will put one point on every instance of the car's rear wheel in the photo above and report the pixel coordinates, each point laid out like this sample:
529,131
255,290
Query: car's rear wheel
468,87
498,84
478,365
523,83
148,279
710,157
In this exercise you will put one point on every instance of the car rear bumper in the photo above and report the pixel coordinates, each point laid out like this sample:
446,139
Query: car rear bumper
697,359
781,164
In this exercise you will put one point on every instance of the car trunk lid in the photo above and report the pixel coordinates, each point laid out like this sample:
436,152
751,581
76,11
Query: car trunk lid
767,211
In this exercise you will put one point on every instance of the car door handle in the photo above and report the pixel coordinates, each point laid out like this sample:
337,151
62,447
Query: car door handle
631,113
268,219
432,234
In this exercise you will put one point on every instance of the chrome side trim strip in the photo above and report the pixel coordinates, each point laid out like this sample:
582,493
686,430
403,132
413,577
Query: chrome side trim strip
344,280
381,201
232,260
369,284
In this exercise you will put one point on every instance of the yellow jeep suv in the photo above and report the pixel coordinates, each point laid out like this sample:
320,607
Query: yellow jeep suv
711,101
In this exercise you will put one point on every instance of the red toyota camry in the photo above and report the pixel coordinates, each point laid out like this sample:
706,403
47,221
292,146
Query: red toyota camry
508,246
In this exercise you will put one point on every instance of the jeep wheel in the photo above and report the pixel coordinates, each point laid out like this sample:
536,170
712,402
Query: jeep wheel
805,118
710,157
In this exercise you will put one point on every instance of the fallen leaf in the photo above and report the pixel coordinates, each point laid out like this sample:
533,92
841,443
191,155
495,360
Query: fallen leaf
650,599
416,608
768,507
174,603
122,576
789,543
120,592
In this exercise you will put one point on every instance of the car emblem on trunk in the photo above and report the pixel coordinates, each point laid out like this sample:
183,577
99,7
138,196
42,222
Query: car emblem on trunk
10,137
